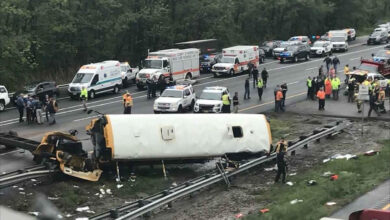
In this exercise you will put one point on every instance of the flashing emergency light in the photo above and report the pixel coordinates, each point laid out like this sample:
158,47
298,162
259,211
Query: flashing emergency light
314,37
318,37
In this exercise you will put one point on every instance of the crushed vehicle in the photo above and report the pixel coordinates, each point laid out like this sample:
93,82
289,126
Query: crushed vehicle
371,69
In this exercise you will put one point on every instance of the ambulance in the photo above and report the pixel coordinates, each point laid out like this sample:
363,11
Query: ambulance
97,78
235,60
180,64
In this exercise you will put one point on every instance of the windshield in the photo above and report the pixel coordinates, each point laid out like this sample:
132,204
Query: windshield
2,90
383,53
292,48
123,68
172,93
227,60
211,95
284,44
369,68
318,44
82,78
337,39
153,64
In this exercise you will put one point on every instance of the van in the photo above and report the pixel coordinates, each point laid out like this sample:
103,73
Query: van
97,78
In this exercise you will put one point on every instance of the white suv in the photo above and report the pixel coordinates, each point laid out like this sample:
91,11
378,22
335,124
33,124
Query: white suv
321,48
175,99
210,100
4,98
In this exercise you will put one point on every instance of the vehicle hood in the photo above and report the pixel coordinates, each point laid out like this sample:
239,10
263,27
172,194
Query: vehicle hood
149,71
316,48
224,65
338,43
279,49
208,102
265,48
79,85
167,100
359,72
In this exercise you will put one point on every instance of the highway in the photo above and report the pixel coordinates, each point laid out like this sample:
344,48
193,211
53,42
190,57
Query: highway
71,115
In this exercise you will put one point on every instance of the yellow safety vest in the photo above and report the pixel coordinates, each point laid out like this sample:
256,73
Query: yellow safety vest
309,83
260,83
225,100
84,93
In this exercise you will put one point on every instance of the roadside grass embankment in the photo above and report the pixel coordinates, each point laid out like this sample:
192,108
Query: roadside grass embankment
355,177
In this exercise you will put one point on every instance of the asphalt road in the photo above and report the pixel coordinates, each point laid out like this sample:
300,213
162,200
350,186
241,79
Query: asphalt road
71,115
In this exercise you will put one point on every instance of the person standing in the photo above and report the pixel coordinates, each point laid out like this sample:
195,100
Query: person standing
53,109
29,110
321,99
255,73
275,92
149,87
346,73
284,91
328,62
250,69
20,105
335,88
381,100
161,84
321,71
338,85
314,86
309,85
328,87
281,150
264,76
45,105
84,98
154,86
235,102
279,99
128,104
225,103
247,92
260,88
351,89
38,109
124,96
335,62
373,105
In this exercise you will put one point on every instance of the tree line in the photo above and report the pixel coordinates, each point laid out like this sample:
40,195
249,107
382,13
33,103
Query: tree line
51,39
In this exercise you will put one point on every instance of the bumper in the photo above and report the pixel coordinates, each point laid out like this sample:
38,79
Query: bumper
339,48
74,93
316,53
199,109
165,109
205,69
372,41
286,57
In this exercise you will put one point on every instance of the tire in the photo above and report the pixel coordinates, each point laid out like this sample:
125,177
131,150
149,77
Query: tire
116,89
140,87
307,57
192,105
180,109
188,76
133,80
231,72
125,82
2,105
92,94
295,59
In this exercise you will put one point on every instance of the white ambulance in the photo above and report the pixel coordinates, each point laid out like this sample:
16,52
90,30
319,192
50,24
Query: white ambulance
97,78
235,60
180,64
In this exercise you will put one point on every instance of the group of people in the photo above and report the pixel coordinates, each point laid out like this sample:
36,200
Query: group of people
259,82
35,107
153,84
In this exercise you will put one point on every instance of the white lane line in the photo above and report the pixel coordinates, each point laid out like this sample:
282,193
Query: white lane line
10,152
311,68
82,119
196,85
293,83
355,58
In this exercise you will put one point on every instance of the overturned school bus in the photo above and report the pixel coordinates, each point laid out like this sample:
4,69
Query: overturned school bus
174,138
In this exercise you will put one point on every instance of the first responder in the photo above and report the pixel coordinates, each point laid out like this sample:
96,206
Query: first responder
84,98
309,88
235,102
260,85
346,73
321,99
124,98
281,150
128,104
278,99
225,103
335,88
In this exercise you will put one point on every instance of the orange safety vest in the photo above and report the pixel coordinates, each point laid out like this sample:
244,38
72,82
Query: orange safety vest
321,94
129,101
279,95
124,98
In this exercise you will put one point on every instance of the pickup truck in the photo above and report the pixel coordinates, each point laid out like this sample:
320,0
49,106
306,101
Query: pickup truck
4,98
128,73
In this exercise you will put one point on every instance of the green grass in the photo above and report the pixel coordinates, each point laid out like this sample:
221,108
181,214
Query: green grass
355,178
279,128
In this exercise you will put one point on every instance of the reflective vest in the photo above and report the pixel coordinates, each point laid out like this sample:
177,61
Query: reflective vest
129,101
346,70
309,83
321,94
279,95
338,81
260,83
225,100
124,96
282,144
335,85
84,93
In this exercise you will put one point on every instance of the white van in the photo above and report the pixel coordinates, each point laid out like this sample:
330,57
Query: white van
97,78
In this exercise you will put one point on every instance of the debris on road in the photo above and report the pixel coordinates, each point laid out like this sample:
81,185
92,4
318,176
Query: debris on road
334,177
108,191
327,174
292,174
270,168
331,203
239,215
34,213
311,182
82,209
371,153
118,186
264,210
290,183
53,198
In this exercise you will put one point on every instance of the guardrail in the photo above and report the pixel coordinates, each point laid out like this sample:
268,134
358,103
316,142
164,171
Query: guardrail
147,205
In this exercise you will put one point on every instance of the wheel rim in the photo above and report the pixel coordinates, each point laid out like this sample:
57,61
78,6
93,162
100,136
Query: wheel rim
116,89
2,107
92,94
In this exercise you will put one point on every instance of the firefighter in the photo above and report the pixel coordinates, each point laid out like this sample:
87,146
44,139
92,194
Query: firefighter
84,98
281,150
225,103
346,72
128,104
255,73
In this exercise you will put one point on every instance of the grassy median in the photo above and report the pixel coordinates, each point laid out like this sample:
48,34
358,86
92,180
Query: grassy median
355,177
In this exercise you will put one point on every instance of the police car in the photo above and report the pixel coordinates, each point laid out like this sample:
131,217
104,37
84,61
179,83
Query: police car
210,101
175,99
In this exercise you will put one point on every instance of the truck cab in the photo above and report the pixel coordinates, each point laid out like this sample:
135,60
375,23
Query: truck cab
210,100
4,98
128,73
152,66
175,99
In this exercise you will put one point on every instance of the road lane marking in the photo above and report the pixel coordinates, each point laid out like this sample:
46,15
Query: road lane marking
355,58
311,68
19,151
82,119
293,83
196,85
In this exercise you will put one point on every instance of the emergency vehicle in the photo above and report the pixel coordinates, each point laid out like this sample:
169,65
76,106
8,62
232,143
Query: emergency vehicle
97,78
339,40
180,64
4,98
210,100
175,99
235,60
148,139
372,69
